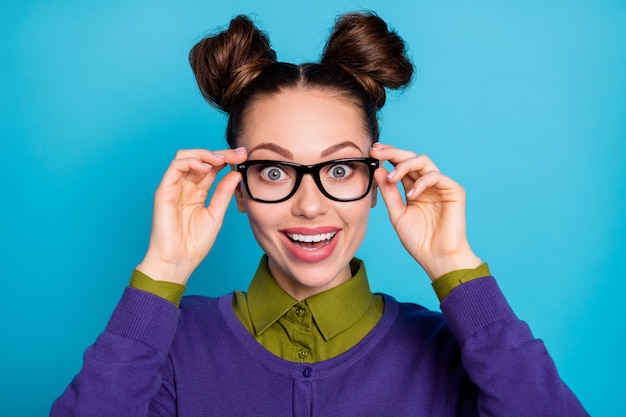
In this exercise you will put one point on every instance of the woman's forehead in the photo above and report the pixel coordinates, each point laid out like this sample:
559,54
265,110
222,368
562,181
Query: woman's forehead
304,121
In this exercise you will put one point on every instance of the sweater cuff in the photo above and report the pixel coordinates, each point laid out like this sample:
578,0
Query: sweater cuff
170,291
146,318
475,305
447,282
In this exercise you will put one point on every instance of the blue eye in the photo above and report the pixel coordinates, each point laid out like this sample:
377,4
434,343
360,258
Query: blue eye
273,173
340,171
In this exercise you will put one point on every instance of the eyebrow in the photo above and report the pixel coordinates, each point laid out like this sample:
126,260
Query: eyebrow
274,148
339,146
287,154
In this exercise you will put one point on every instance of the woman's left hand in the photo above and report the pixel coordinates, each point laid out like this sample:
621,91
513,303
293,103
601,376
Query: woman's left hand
431,224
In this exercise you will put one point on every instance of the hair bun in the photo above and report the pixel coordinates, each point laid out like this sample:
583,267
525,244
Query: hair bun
362,44
225,63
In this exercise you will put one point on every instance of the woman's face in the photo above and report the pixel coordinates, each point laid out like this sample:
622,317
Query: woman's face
306,126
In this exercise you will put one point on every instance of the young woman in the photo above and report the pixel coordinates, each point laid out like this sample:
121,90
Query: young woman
309,338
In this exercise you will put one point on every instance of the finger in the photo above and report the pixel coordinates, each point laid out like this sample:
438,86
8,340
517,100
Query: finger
196,163
232,157
403,160
447,189
207,181
204,180
390,153
214,158
223,193
420,165
182,167
390,193
204,155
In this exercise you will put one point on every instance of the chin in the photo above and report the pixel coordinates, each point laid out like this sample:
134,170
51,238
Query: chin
304,279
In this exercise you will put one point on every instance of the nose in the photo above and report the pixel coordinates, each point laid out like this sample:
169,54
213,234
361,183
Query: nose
308,201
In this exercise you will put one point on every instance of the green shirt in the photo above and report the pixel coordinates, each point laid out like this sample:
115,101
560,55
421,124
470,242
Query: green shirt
322,326
318,328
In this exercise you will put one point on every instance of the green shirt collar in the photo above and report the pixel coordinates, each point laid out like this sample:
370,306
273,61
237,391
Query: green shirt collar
333,311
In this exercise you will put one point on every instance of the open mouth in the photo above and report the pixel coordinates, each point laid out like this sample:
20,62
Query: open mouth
311,242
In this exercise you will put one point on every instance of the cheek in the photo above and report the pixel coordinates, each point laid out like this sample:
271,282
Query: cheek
263,218
357,215
259,228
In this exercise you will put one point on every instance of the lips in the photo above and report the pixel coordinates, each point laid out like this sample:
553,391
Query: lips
311,245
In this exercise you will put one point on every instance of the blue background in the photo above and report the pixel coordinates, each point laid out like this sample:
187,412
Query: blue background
524,103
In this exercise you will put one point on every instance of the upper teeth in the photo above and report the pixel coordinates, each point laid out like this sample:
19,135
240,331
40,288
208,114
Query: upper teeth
311,238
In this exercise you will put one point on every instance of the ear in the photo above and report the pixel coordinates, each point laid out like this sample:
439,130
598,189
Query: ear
239,197
239,194
374,194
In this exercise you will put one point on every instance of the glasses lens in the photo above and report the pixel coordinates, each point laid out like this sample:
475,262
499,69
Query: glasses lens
270,181
346,180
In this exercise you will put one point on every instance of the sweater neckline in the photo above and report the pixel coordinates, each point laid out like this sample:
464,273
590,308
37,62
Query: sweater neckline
307,371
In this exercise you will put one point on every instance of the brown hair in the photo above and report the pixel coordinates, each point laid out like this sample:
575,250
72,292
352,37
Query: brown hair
361,58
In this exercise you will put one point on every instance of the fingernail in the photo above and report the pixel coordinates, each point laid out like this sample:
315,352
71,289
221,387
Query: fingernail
240,149
410,193
391,174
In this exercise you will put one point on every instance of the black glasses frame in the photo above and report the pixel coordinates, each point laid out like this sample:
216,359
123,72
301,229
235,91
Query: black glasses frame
313,170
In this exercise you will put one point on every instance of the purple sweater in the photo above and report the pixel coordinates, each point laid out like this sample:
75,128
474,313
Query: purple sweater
156,360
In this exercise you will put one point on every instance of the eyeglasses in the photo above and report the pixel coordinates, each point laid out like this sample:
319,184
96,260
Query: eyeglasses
276,181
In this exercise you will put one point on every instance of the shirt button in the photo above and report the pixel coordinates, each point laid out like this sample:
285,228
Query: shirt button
307,372
300,311
303,353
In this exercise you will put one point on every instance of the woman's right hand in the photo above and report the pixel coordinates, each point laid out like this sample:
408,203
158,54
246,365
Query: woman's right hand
183,227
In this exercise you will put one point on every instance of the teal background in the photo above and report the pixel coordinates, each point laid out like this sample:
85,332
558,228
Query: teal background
524,103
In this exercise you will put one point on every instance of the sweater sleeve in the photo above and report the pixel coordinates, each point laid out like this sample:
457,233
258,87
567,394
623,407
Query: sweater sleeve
122,373
513,371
